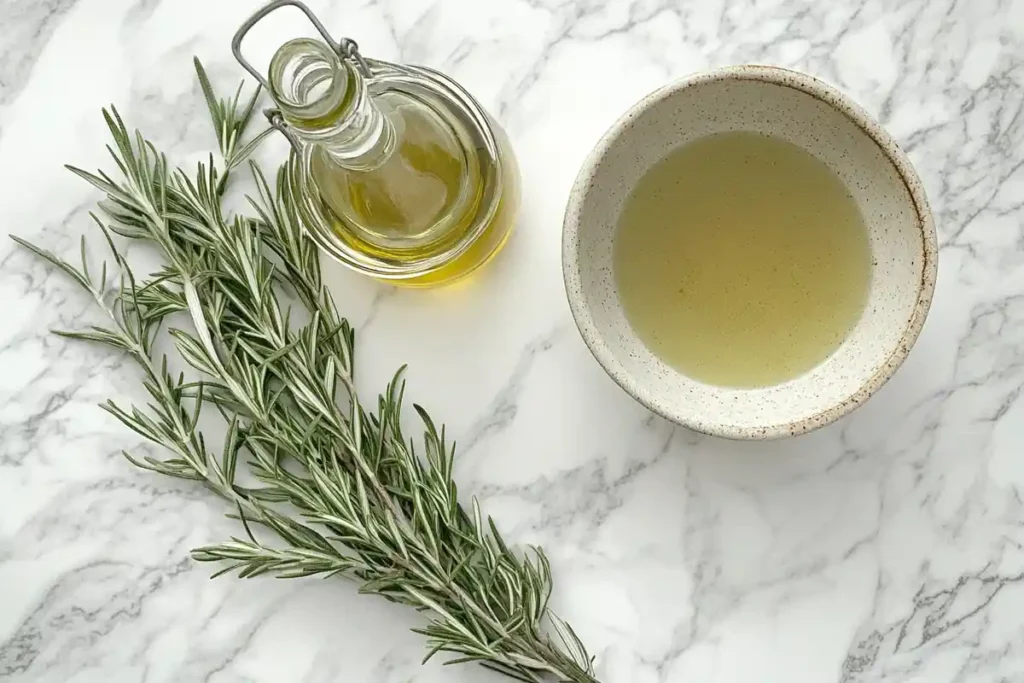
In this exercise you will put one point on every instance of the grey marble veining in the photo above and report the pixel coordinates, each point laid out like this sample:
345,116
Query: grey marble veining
887,547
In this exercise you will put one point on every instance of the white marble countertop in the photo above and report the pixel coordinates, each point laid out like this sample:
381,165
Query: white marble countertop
889,546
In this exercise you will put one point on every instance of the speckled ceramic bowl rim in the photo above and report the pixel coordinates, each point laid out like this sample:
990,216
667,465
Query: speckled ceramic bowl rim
840,102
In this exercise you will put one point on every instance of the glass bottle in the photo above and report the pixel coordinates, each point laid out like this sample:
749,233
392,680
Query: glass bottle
398,172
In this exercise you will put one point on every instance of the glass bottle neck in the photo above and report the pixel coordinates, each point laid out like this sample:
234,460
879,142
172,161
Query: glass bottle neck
325,101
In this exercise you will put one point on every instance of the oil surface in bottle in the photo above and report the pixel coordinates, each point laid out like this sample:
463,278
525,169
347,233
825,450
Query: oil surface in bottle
422,197
741,260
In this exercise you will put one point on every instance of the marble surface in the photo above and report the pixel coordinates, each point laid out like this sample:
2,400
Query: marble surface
886,547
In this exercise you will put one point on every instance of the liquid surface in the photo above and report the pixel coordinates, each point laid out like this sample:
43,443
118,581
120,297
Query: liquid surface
425,197
426,188
741,260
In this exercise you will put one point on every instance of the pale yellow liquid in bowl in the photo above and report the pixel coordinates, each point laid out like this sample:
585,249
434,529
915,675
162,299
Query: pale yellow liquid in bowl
741,260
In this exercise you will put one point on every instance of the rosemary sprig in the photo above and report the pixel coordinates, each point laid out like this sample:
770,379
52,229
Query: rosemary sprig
341,487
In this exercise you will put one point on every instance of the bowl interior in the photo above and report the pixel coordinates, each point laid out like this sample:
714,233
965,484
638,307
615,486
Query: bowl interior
811,115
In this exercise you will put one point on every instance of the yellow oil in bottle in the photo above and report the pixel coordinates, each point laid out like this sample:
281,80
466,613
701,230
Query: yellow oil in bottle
741,260
423,196
406,179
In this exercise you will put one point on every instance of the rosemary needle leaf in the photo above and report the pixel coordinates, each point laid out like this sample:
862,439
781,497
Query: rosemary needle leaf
341,488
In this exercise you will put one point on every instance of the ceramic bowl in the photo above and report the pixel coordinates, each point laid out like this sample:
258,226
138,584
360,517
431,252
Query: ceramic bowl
822,121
